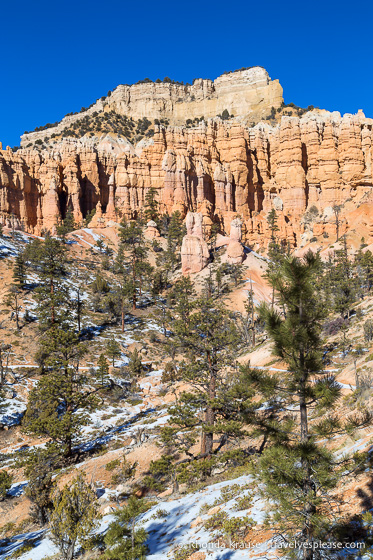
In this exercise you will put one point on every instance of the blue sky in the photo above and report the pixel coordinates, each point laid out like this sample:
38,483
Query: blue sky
59,56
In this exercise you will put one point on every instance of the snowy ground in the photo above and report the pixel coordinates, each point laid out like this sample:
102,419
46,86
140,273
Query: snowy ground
171,527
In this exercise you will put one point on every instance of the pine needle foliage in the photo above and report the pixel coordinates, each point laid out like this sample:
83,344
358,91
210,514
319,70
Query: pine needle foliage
74,517
299,408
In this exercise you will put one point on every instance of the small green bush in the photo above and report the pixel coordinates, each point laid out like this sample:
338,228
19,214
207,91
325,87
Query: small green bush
112,465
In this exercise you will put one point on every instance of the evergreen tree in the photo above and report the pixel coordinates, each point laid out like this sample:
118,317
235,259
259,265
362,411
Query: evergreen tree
176,229
113,349
135,365
151,205
74,516
5,351
6,481
207,337
275,250
13,300
364,265
297,470
343,281
134,268
19,271
49,260
58,403
183,300
169,259
102,372
123,540
39,471
68,225
272,224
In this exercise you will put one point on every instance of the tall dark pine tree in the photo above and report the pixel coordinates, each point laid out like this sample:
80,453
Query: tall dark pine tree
58,404
207,337
343,280
298,471
151,210
68,224
19,271
275,252
48,259
133,266
169,259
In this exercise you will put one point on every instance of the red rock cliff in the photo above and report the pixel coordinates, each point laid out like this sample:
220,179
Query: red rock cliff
219,169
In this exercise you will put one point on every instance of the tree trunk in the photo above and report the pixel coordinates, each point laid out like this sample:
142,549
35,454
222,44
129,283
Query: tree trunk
52,303
210,413
252,311
79,310
70,551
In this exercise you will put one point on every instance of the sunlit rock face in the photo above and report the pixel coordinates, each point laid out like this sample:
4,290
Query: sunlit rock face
219,169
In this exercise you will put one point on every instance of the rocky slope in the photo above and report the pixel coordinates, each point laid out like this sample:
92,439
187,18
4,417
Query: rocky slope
302,168
248,92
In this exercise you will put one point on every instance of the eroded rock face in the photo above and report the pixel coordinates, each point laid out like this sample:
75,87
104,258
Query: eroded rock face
235,251
240,93
152,230
217,169
194,250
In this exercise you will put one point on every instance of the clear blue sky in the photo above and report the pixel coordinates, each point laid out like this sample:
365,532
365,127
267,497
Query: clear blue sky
59,56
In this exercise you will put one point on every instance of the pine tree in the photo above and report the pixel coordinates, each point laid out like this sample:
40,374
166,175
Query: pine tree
19,271
183,300
297,470
135,365
169,259
49,260
343,281
207,337
57,405
102,372
74,516
113,349
272,223
134,268
364,265
68,225
13,300
39,471
151,211
275,250
6,480
123,540
5,351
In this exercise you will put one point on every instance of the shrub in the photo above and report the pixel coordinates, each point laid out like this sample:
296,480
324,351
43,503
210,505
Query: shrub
333,327
244,502
183,552
112,465
225,115
5,483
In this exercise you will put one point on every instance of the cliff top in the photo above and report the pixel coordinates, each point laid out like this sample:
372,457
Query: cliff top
248,92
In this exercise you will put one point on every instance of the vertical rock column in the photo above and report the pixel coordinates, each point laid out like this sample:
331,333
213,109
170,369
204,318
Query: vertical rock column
194,250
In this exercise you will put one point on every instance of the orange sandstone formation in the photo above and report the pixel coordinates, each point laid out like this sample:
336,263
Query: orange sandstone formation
194,250
302,168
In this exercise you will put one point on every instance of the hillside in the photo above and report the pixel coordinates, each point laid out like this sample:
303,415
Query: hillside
247,93
126,425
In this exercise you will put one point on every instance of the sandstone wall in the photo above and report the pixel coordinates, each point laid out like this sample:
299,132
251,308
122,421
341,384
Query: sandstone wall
221,170
241,93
